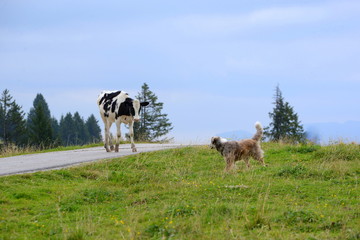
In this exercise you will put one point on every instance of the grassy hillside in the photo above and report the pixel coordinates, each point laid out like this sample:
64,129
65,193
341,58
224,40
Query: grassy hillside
306,192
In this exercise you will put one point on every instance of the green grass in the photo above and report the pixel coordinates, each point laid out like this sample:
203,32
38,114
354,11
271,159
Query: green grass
306,192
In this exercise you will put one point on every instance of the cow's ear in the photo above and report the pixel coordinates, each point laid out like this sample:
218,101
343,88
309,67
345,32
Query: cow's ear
143,104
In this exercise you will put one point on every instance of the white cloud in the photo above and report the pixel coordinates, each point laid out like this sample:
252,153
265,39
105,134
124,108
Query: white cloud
269,17
215,24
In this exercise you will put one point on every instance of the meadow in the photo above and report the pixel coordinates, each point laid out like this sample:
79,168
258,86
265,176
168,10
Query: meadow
306,192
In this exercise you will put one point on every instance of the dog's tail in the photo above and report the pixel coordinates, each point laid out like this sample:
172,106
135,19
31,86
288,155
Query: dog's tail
259,132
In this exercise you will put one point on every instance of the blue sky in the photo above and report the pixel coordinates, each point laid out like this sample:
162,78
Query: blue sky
214,64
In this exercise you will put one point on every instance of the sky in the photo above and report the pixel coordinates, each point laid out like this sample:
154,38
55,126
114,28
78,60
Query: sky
214,64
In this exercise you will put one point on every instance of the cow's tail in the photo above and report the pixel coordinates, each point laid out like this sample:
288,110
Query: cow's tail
259,132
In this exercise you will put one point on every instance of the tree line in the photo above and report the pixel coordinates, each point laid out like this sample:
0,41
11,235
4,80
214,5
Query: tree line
40,129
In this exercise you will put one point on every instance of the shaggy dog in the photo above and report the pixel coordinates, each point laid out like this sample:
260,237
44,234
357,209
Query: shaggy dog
233,151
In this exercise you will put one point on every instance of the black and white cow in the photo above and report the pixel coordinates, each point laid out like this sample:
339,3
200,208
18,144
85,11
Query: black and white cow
118,107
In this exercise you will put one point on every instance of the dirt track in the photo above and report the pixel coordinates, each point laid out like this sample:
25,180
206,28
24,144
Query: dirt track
55,160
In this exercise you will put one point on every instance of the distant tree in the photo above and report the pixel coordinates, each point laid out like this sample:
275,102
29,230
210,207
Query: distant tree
75,131
5,103
18,131
81,132
67,130
12,121
56,130
285,123
39,100
153,124
2,124
39,123
93,129
39,127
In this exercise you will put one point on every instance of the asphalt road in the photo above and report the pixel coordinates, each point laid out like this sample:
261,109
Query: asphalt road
55,160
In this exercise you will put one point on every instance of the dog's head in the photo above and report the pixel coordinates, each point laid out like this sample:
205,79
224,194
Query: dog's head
213,142
216,142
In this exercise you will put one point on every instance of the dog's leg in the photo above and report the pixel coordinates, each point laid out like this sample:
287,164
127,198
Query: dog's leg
247,161
263,163
260,156
230,162
227,164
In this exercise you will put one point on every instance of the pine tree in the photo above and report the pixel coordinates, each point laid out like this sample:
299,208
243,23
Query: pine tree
94,129
74,130
40,131
5,104
6,100
39,123
39,100
81,133
12,122
285,123
2,124
56,131
153,123
18,132
67,129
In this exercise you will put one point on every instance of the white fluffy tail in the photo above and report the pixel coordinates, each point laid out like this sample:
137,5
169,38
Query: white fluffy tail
259,132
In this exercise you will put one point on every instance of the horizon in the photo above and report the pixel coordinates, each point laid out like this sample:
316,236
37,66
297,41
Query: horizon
320,133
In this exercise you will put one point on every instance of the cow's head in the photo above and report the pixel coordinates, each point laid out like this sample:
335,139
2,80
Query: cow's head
137,106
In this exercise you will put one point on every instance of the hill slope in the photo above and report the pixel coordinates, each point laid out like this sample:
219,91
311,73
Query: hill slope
306,192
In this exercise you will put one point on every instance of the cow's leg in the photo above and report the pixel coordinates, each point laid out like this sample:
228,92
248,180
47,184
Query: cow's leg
111,142
118,135
131,134
108,137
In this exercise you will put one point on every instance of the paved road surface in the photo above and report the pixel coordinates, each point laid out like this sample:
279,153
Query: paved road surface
55,160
